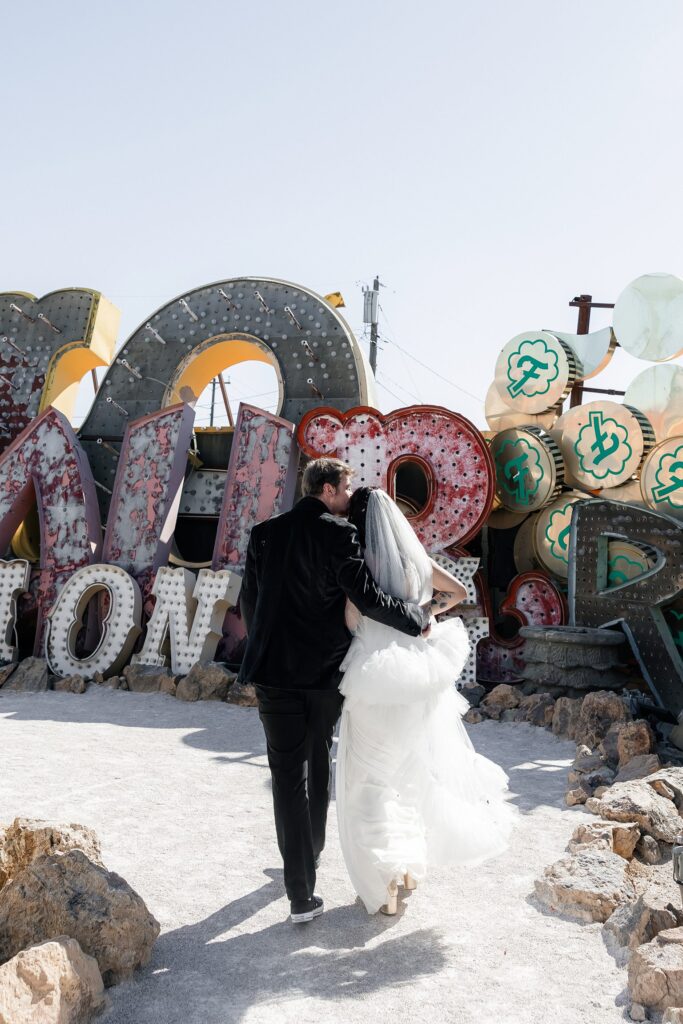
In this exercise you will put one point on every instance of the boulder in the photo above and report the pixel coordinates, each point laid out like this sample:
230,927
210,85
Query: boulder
71,684
636,801
607,747
639,767
634,739
599,711
208,680
149,679
70,895
502,697
673,1015
26,839
632,924
566,716
244,695
648,850
620,838
473,716
30,676
52,983
588,885
655,971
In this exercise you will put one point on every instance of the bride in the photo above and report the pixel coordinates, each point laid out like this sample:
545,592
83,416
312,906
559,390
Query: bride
412,792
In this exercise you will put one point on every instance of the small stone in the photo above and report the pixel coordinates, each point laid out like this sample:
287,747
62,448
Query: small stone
655,971
502,696
588,762
71,684
6,671
30,676
148,678
244,695
637,1012
587,886
663,789
618,837
576,796
648,850
634,739
608,745
53,982
474,692
473,716
673,777
639,767
599,711
542,713
600,777
600,791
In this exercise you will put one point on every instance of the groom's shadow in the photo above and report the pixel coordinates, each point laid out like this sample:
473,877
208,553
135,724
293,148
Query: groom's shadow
206,973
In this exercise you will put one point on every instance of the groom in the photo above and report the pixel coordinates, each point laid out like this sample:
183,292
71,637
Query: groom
301,566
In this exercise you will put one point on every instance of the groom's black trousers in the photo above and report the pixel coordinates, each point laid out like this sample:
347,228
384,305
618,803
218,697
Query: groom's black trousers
299,726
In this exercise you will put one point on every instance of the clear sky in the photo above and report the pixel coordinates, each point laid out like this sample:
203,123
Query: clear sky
488,159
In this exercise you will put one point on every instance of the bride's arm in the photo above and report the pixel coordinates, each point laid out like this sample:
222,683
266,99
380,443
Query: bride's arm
448,591
352,616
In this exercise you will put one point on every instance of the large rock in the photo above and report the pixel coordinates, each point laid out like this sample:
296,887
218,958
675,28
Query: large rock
30,676
149,679
639,767
587,886
673,777
6,671
473,716
69,895
209,680
620,838
648,849
244,695
673,1015
634,739
26,839
636,801
599,711
474,692
655,971
541,714
52,983
632,924
566,716
501,698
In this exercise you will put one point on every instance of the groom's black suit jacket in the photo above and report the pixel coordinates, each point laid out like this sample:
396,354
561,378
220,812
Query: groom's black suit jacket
301,566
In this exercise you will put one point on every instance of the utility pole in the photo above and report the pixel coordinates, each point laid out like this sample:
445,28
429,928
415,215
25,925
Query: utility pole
370,306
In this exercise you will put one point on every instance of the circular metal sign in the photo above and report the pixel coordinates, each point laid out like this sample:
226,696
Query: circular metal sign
658,393
523,548
500,416
535,371
551,536
603,443
661,479
648,317
529,469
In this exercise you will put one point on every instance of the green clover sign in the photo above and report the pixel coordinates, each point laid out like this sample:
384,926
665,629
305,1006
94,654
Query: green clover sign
602,447
557,532
531,369
519,469
669,477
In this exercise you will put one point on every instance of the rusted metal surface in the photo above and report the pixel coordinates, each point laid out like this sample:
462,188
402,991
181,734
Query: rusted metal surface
639,604
35,334
46,463
533,600
451,451
146,493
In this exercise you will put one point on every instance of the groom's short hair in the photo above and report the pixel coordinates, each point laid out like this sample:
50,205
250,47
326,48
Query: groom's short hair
323,471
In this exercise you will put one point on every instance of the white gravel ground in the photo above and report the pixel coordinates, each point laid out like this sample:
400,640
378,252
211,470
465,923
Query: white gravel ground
179,795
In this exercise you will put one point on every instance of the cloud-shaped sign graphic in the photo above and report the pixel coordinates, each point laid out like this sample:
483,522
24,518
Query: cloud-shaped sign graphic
519,469
602,447
532,367
669,477
557,532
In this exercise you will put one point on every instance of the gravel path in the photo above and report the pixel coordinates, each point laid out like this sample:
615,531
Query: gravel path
179,795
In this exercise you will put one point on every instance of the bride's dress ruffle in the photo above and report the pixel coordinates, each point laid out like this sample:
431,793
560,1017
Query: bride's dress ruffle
412,791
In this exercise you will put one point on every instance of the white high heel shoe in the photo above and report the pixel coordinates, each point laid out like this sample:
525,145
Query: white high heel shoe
391,906
409,882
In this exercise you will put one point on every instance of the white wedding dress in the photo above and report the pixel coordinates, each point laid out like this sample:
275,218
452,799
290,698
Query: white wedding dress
411,791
